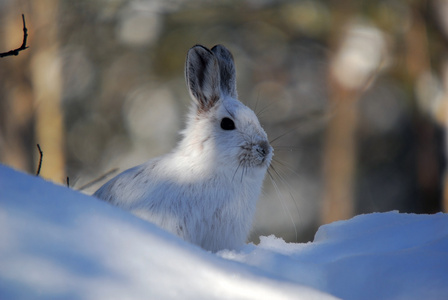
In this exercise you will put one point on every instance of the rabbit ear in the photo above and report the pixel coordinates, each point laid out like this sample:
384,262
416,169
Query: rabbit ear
227,70
202,76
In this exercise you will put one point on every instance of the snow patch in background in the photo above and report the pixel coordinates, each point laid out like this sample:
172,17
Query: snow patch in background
57,243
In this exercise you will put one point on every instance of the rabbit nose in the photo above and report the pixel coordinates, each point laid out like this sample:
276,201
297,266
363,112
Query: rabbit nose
263,148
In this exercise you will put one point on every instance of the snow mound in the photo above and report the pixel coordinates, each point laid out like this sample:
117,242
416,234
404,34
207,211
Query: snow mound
374,256
56,243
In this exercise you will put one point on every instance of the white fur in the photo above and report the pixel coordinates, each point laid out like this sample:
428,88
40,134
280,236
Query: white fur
206,189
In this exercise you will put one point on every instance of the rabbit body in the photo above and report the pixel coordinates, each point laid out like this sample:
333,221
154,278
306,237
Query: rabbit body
206,189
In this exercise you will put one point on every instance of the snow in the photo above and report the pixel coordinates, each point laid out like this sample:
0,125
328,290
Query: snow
60,244
375,256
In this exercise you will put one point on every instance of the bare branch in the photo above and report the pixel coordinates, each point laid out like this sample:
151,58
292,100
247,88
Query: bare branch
15,52
89,184
40,160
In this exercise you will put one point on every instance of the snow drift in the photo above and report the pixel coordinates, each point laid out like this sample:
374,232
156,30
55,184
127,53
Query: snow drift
60,244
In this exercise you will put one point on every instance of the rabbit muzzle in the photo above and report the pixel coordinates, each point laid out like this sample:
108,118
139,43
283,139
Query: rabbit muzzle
256,154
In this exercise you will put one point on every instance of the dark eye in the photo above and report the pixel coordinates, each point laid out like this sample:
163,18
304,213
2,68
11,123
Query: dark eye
227,124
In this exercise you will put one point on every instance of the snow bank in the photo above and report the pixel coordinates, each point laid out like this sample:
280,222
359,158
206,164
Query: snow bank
57,243
375,256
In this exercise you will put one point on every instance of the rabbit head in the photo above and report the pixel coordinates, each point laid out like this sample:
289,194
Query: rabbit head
220,127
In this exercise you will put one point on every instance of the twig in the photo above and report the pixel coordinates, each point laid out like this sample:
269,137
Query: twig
15,52
89,184
40,160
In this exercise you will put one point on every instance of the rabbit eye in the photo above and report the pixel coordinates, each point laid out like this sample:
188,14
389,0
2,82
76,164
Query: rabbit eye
227,124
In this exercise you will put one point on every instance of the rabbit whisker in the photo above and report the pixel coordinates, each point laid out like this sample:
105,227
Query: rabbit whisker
283,164
286,148
256,102
263,110
236,171
277,189
243,172
282,178
231,114
282,135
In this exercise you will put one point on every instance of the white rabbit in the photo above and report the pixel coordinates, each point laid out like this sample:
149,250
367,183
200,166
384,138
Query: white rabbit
206,189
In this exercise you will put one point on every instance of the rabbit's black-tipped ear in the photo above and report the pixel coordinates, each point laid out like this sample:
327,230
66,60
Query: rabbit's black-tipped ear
202,76
227,70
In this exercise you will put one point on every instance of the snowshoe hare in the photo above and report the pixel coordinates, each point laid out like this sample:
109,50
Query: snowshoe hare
205,190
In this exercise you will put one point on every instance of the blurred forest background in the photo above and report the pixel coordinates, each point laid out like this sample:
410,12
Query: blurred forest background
354,93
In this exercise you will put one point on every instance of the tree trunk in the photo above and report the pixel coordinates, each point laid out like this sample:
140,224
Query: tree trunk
47,84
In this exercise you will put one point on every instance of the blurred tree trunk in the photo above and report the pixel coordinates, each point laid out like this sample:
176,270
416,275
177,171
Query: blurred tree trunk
358,57
445,119
339,157
418,64
339,147
440,11
16,103
47,85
